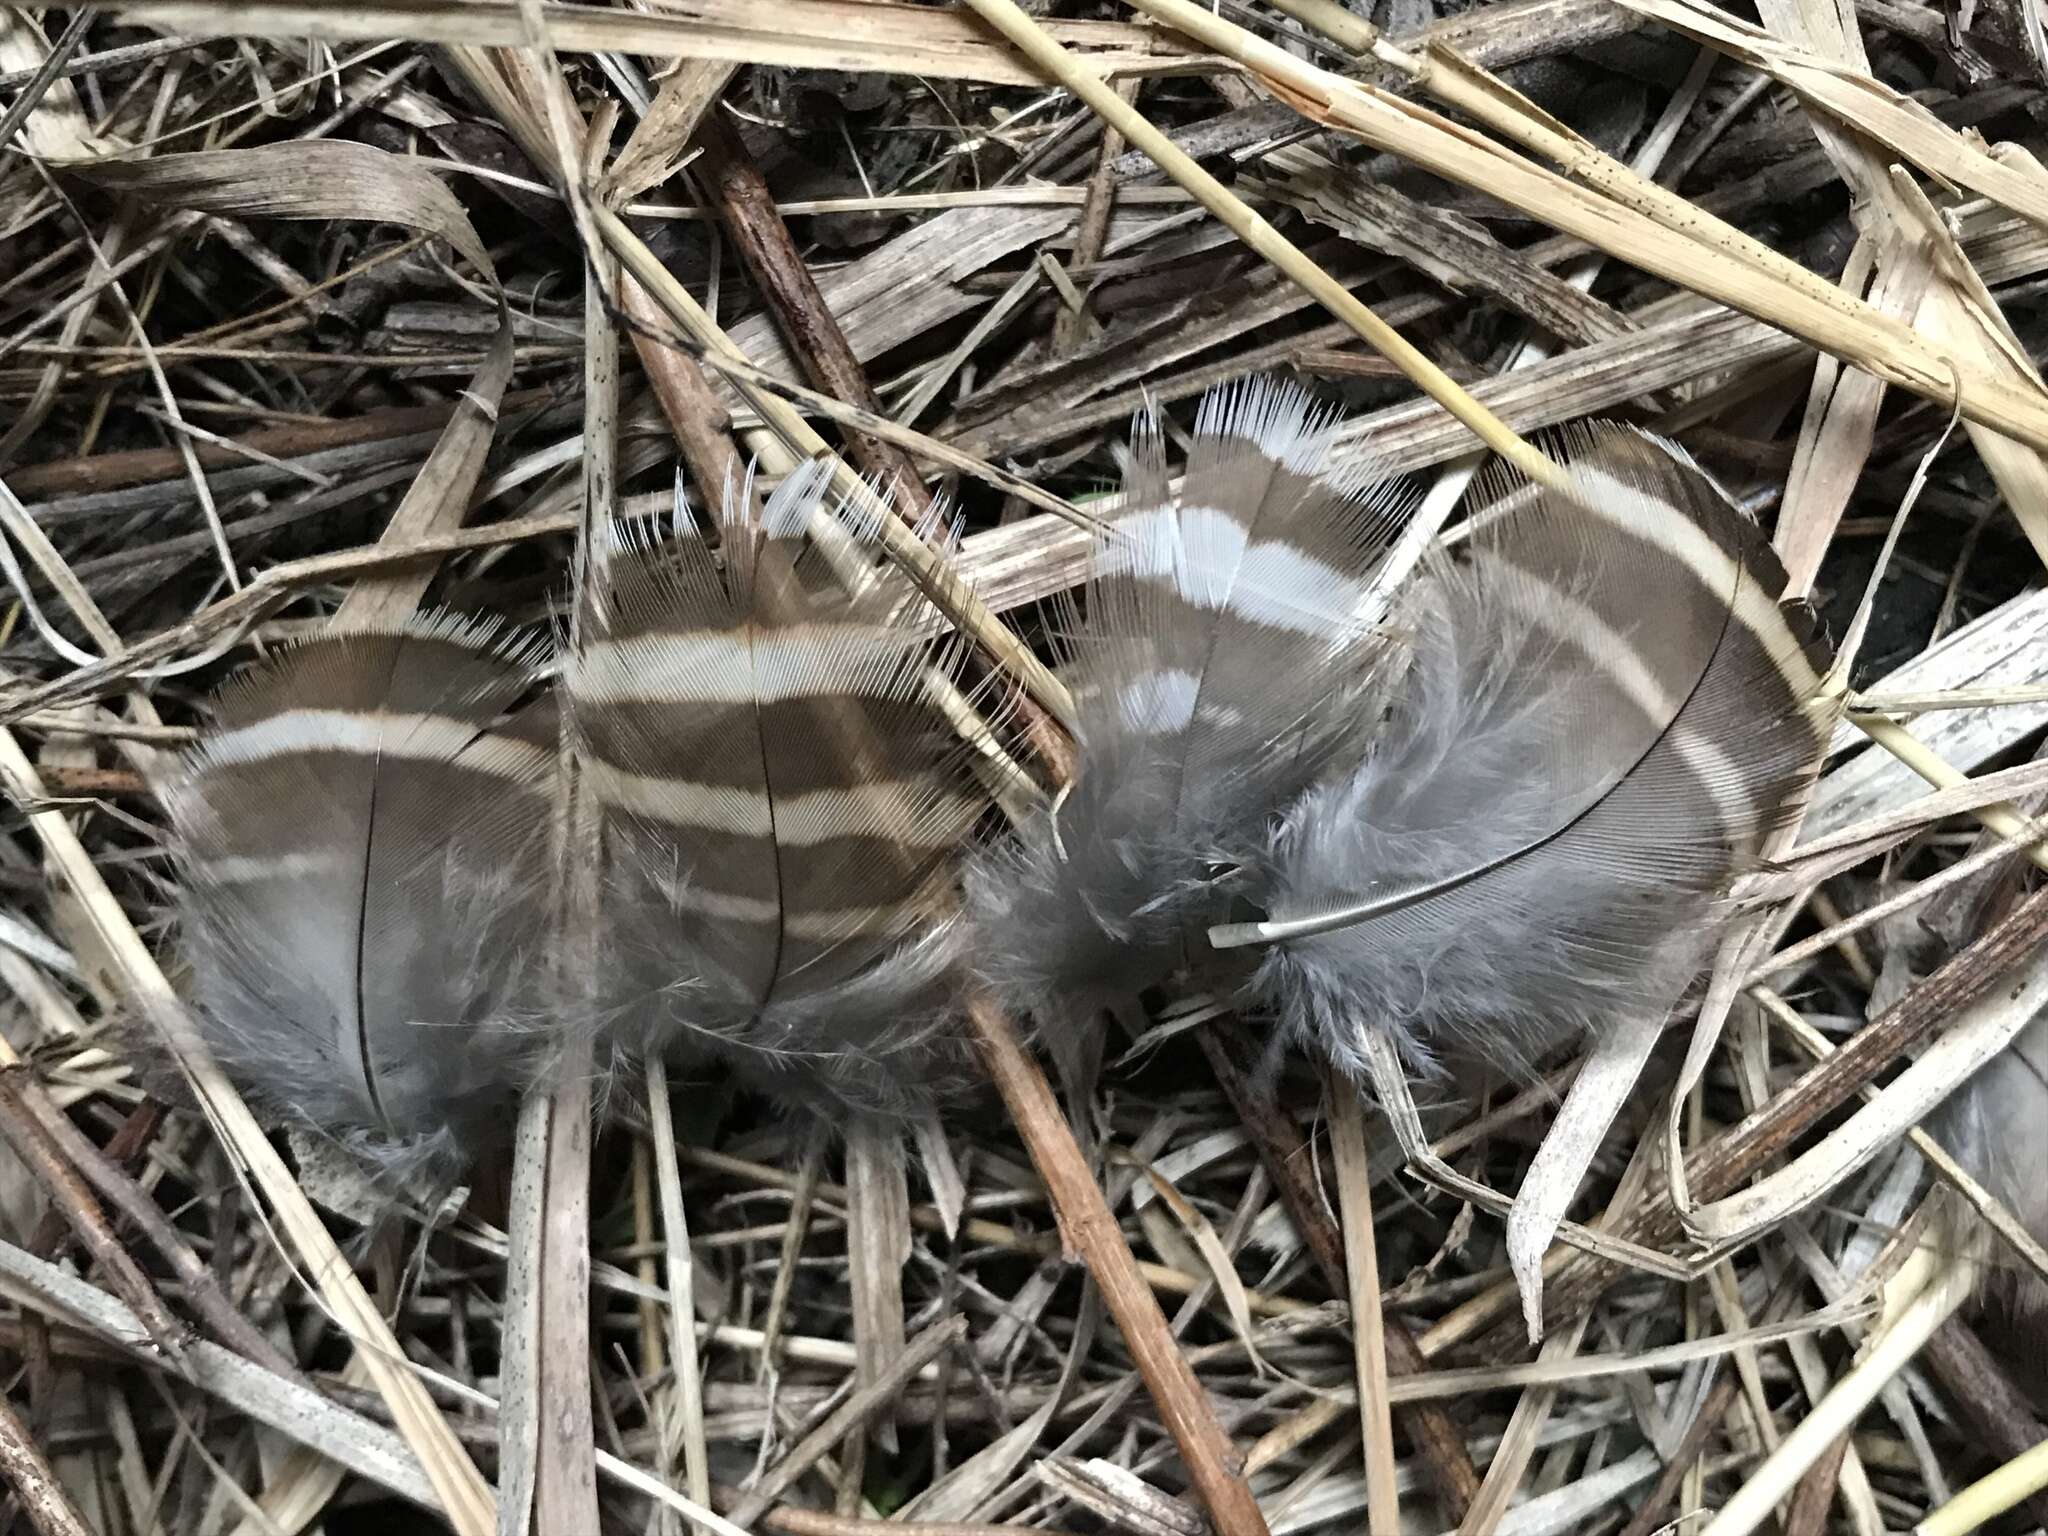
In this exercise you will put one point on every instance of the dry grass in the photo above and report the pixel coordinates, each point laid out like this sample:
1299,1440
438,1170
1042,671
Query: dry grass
311,313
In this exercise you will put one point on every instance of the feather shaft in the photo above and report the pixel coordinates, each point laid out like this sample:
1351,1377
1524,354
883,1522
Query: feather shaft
782,800
1607,713
361,842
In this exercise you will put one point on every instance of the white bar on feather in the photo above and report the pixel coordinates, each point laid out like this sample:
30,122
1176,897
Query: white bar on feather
896,808
413,738
805,661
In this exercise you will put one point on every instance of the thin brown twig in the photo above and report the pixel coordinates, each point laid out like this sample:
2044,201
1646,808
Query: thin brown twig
1806,1512
1649,1514
1998,1414
69,1194
815,339
21,1094
1290,1165
786,286
849,1416
48,1506
1085,1219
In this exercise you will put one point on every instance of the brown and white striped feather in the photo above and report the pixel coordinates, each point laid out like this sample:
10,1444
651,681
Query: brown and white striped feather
361,845
1608,712
781,796
1219,667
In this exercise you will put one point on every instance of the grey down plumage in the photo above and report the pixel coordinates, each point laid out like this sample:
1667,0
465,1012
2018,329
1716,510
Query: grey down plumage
1607,712
1500,810
1219,667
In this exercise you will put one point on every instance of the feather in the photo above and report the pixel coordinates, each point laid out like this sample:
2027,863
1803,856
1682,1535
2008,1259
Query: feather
781,801
361,842
1219,666
1996,1126
1608,711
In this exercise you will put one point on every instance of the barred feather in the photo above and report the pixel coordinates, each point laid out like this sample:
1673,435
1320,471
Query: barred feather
1607,713
361,841
1219,667
780,798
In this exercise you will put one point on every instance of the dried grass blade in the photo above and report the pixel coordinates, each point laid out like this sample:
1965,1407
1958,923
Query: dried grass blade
1588,1112
679,1274
1855,99
439,496
855,35
1214,1255
1362,1289
1687,247
304,179
878,1245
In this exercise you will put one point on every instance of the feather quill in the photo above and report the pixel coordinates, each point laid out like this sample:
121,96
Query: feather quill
1608,710
1220,665
361,843
781,801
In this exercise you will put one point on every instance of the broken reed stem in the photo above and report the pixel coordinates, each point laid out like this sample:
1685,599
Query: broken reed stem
1990,1496
1237,216
1943,1286
1362,1269
1085,1217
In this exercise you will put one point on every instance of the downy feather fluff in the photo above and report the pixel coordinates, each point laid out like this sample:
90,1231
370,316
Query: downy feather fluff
361,844
1218,667
1607,711
1996,1126
781,802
